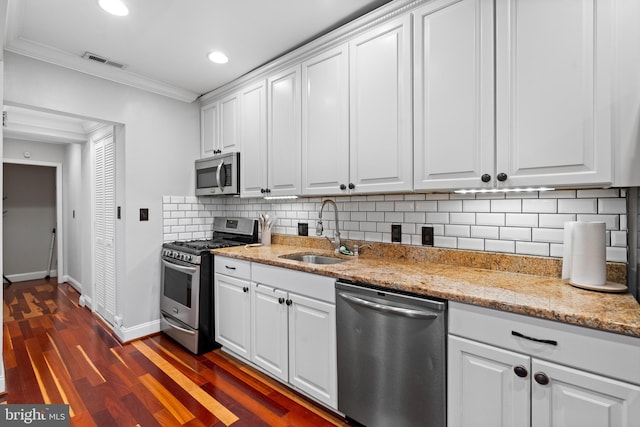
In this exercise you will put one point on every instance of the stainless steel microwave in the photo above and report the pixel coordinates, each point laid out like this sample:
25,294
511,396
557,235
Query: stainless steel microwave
218,175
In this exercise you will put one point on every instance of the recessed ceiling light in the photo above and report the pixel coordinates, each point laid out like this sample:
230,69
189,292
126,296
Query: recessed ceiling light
114,7
218,58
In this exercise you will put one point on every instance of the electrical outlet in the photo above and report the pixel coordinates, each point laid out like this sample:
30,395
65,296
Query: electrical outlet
303,229
396,233
144,214
427,236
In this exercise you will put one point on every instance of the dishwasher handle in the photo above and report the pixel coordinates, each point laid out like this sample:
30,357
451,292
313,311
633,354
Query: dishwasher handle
407,312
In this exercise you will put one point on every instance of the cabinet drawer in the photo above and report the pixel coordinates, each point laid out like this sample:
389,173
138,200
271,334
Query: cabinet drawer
232,267
604,353
307,284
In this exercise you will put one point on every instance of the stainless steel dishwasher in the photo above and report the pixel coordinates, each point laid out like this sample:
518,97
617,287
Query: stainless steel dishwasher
391,357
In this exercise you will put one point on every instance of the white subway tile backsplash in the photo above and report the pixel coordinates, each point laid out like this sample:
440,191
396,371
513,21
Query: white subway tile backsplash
619,238
612,206
616,254
540,205
457,230
485,232
385,206
414,217
471,244
584,206
427,206
612,221
495,219
506,206
598,193
476,206
404,206
554,220
549,235
450,206
521,220
500,246
523,223
445,242
437,217
462,218
515,233
532,248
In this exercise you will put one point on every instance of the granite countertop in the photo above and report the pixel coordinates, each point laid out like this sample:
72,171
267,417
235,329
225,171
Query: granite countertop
534,295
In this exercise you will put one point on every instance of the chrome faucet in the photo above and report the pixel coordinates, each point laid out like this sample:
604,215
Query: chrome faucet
336,235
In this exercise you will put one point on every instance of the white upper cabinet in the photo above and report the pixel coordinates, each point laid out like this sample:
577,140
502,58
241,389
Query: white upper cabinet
552,123
209,129
454,94
553,91
220,126
380,109
325,122
229,124
253,137
284,134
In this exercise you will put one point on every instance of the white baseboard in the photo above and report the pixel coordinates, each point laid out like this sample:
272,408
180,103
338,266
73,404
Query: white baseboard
85,301
21,277
131,333
73,282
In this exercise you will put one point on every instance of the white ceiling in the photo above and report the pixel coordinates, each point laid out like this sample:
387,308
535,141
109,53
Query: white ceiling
164,43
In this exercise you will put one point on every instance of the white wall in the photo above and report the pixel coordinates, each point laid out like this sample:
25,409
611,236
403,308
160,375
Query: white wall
159,145
14,149
72,212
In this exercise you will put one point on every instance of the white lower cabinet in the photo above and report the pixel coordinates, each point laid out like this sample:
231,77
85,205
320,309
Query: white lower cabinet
490,384
285,325
232,317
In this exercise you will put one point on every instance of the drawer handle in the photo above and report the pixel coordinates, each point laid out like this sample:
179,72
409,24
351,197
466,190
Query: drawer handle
519,335
541,378
229,268
521,371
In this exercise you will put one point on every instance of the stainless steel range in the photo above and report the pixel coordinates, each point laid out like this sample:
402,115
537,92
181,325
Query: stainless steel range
186,300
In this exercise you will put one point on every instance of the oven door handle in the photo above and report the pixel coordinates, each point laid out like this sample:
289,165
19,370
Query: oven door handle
218,173
182,268
174,326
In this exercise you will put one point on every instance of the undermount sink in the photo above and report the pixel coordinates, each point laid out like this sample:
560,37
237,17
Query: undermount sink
313,258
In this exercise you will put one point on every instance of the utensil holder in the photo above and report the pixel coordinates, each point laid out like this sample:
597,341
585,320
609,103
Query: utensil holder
266,237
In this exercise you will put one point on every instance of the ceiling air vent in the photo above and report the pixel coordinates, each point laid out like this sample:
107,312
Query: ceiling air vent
102,60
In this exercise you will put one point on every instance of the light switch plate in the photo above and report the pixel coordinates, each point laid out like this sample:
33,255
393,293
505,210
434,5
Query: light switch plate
144,214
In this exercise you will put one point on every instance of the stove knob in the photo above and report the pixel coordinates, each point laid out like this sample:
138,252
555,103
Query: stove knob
190,258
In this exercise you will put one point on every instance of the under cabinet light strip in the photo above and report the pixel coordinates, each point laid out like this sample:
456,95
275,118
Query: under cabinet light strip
279,197
503,190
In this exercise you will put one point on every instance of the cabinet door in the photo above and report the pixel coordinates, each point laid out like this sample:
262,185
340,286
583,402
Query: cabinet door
454,94
269,330
483,390
577,398
208,129
325,122
233,314
284,145
380,143
553,86
253,137
312,348
229,123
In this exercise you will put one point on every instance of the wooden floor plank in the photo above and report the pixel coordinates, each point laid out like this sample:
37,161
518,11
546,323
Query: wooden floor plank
56,351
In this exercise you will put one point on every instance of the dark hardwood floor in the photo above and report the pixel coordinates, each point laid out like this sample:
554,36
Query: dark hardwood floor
58,352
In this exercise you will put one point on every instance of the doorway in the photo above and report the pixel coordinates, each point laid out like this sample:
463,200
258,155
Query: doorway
32,214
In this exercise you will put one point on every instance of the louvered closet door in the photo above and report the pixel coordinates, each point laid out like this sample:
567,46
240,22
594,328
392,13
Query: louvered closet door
104,212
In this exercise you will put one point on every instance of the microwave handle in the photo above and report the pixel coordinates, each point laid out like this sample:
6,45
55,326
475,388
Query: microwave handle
219,169
184,269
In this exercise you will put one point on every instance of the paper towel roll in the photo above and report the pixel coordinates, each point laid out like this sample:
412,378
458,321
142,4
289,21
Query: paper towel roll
588,260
